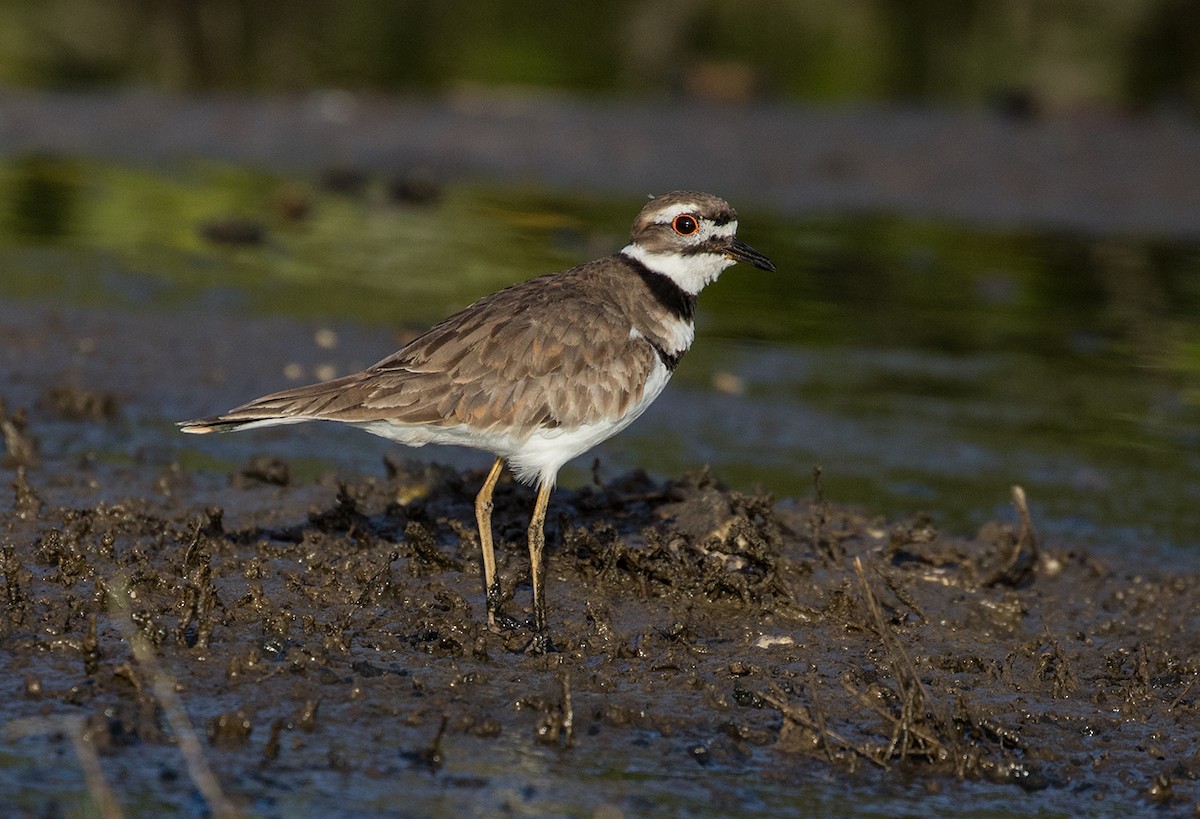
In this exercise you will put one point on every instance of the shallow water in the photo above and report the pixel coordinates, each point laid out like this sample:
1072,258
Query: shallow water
920,364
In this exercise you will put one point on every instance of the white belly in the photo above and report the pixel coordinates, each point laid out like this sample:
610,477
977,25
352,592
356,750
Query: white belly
538,457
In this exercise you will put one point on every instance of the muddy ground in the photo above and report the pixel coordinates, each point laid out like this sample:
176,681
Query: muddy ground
719,653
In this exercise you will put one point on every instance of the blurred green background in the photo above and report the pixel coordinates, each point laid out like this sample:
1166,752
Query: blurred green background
1130,54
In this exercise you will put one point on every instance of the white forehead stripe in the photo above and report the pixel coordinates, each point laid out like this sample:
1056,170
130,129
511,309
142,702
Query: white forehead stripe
667,216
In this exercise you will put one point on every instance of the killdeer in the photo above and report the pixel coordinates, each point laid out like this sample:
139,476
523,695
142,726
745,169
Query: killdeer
539,372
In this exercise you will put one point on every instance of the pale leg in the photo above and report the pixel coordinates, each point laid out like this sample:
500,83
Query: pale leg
537,570
483,517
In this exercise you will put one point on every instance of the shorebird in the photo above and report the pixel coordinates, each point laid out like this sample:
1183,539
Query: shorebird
537,373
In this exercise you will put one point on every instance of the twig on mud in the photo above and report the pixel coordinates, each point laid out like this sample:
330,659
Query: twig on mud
1183,693
818,518
890,718
916,706
369,587
1028,533
1028,543
85,751
372,586
901,595
163,687
1057,666
799,715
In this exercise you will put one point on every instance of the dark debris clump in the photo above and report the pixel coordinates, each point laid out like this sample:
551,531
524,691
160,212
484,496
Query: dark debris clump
715,544
341,627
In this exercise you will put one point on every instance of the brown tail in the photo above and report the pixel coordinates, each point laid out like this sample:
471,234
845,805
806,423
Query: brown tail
219,423
308,403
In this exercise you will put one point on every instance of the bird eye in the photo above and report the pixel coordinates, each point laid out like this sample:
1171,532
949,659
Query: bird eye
685,224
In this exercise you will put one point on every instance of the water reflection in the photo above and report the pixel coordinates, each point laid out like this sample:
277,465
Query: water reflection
921,364
42,197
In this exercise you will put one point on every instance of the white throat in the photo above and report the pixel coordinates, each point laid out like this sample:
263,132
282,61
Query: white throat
691,272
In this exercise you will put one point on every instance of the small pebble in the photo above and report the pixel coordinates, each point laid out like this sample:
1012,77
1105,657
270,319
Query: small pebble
773,640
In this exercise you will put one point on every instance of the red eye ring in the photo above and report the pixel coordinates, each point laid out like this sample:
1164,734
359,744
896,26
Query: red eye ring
685,224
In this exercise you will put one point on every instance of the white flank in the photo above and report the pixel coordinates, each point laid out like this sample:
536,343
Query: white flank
538,457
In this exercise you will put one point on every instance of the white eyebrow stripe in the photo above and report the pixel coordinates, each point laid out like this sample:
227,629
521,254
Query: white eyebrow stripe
668,216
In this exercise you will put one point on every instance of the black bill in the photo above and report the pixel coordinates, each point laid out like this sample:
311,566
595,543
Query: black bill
742,252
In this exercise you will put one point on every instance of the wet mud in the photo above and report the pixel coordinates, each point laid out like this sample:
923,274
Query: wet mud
242,637
329,648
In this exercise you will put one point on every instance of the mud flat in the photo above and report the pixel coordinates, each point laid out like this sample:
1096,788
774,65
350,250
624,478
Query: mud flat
186,639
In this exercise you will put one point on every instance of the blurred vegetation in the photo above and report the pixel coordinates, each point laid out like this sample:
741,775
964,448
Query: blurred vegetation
363,248
1017,55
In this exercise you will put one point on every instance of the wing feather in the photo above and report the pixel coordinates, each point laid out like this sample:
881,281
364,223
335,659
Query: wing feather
553,351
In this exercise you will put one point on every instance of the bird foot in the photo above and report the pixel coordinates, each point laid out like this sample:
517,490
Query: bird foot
498,622
540,644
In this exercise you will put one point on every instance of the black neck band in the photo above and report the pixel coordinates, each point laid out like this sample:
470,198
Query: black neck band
673,298
669,360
